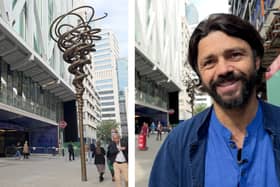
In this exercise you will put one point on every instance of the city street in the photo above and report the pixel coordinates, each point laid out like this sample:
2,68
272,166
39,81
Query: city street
46,171
144,160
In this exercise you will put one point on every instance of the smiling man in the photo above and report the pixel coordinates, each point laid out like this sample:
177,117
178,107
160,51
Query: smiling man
236,142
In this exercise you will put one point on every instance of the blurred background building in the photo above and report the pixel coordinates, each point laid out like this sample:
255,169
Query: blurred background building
35,88
106,76
158,60
265,16
123,93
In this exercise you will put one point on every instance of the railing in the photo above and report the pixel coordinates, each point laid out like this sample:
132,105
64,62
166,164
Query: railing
152,100
8,97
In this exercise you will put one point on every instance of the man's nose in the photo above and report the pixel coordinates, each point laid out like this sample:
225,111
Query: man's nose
223,67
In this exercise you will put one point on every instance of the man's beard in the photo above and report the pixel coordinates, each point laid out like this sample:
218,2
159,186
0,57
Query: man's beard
247,87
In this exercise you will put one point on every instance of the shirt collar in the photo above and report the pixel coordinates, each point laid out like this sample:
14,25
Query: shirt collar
252,127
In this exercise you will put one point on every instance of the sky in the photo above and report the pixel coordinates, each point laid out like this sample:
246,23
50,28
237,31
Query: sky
117,20
206,7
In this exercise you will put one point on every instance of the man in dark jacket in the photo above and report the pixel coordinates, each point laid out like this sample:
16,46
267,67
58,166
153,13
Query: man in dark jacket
71,151
118,151
236,142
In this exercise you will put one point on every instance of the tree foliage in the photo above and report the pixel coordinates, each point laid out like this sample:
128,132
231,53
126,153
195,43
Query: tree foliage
103,131
199,108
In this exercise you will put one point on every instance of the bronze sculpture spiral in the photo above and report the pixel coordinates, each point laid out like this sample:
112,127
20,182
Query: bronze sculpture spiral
76,43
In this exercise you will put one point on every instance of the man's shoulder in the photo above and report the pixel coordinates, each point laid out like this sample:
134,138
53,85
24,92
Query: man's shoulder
270,106
189,128
271,114
270,111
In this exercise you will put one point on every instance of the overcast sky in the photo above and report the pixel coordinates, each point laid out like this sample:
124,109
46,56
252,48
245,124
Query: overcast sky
117,19
206,7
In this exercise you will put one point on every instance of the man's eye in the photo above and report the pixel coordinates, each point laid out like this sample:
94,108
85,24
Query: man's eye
208,63
235,55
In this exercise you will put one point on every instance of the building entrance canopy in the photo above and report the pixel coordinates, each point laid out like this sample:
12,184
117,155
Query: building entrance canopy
20,57
11,120
148,69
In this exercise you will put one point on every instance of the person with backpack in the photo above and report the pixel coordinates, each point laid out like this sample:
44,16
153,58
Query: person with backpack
99,160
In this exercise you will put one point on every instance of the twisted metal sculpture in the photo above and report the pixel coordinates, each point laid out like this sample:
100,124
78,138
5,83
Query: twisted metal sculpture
76,42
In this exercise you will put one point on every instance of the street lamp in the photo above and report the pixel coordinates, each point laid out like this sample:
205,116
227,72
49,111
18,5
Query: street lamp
76,43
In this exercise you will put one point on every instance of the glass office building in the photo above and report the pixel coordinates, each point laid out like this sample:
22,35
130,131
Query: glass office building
35,87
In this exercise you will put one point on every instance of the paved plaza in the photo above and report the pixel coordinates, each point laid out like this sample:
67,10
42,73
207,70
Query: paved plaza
49,171
144,160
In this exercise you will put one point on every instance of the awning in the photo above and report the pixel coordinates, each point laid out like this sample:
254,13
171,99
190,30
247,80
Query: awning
14,51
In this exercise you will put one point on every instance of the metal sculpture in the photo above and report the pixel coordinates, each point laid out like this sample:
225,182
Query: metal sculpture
76,43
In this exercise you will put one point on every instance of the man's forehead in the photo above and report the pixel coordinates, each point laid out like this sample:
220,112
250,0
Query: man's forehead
219,43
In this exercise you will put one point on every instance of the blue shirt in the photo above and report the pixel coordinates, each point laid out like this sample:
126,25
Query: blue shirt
257,165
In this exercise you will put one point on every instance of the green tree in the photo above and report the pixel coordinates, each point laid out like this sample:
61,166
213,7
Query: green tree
103,131
199,108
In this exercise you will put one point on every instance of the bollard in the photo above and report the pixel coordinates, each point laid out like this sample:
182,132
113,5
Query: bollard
142,142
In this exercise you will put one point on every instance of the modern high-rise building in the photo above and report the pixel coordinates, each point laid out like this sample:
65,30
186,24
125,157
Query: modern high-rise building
158,60
106,77
123,83
92,106
36,92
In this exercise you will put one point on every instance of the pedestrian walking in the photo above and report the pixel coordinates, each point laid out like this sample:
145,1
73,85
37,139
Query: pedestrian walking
91,151
145,129
153,128
71,151
110,162
99,160
169,128
159,130
25,150
18,151
118,148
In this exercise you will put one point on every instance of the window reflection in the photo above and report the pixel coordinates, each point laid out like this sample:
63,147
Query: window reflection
18,90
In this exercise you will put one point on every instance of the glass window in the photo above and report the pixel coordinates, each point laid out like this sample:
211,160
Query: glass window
103,81
102,50
109,66
50,14
102,61
108,109
108,115
107,86
107,104
4,82
103,40
98,57
20,24
107,98
106,92
14,3
102,45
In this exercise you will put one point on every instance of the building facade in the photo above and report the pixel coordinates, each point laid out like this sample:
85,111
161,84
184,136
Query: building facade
158,61
35,84
123,83
265,17
190,97
92,106
106,77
